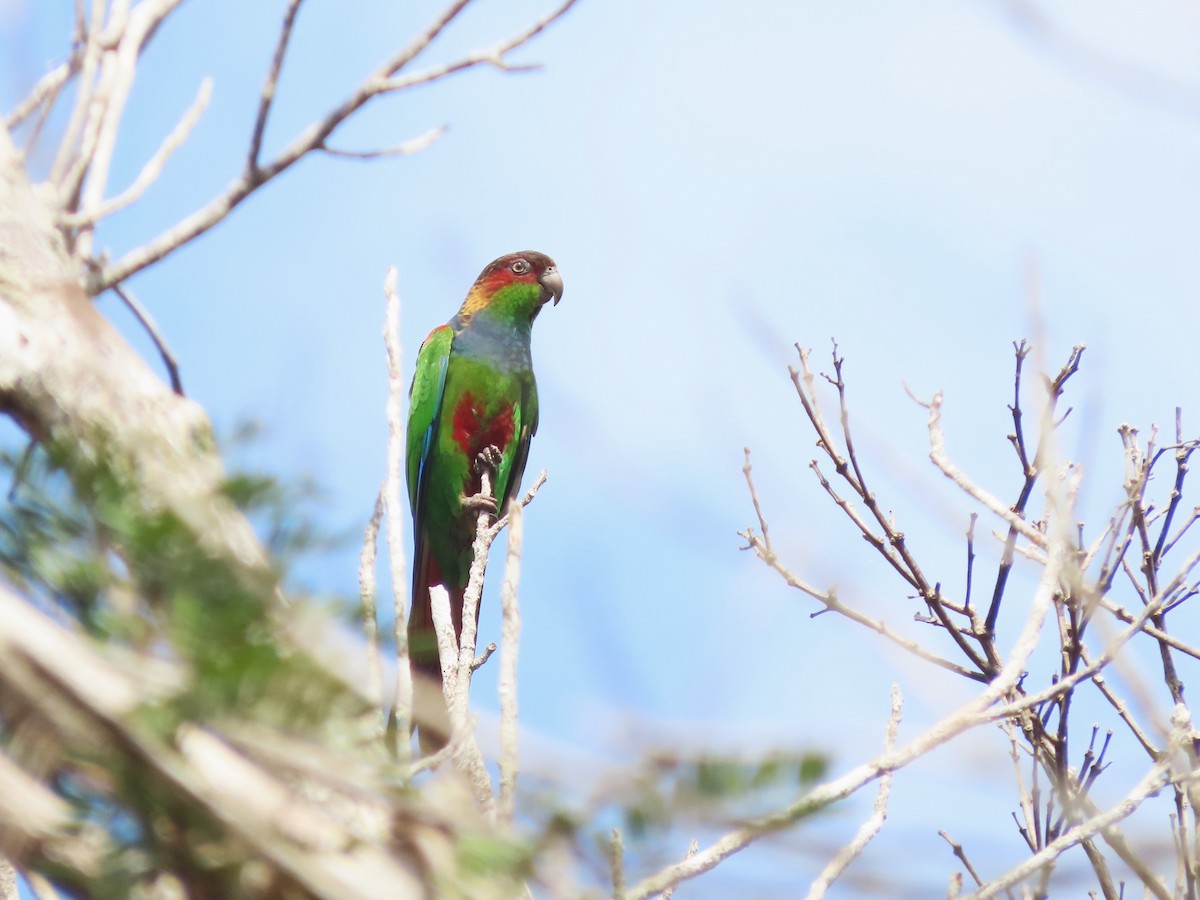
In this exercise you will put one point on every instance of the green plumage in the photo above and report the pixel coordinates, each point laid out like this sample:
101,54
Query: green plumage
473,389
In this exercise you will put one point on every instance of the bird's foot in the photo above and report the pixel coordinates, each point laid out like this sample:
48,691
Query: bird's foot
480,502
487,463
488,460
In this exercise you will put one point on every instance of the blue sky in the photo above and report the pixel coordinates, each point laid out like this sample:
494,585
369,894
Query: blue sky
716,182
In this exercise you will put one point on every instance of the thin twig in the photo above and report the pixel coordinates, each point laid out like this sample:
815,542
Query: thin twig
267,95
510,631
971,714
1154,780
616,862
366,592
937,453
408,148
957,849
314,137
160,342
393,505
69,147
119,66
891,543
874,823
1171,640
482,658
970,558
829,599
691,851
150,171
45,91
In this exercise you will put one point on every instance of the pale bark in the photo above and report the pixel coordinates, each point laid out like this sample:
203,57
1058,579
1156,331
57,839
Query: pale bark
74,384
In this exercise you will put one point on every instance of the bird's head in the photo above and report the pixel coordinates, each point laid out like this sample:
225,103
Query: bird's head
523,281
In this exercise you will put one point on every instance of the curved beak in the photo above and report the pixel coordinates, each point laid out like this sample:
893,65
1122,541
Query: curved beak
551,283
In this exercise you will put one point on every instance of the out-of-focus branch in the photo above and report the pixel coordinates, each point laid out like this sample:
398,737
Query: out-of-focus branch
467,756
33,819
45,92
393,505
367,598
88,178
957,849
150,172
874,823
509,646
71,381
156,336
975,712
93,705
1126,75
890,542
1154,780
1057,547
383,80
616,864
761,545
8,881
267,95
405,148
941,459
1030,466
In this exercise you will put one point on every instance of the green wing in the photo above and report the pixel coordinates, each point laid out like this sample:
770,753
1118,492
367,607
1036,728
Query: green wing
424,409
526,422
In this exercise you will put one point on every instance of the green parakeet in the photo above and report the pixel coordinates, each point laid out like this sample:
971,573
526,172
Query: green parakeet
473,389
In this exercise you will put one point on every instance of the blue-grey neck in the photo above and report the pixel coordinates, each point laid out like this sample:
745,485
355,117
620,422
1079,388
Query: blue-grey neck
499,341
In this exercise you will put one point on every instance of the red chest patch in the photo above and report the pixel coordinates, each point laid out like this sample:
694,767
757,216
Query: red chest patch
474,431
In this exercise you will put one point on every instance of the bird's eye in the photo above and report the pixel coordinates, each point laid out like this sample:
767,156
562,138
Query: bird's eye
520,267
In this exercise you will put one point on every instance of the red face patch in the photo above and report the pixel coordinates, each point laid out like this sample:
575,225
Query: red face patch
504,276
474,431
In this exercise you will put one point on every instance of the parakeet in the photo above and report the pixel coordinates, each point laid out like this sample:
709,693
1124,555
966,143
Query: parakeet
473,389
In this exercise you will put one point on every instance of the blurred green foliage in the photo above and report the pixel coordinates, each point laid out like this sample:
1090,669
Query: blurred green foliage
718,790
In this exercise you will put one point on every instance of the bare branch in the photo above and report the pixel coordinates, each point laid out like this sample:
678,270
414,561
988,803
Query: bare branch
891,542
616,862
501,523
366,593
1153,781
393,506
46,91
267,95
8,880
150,171
1169,639
456,686
937,453
973,713
313,138
872,826
408,148
762,522
957,849
160,342
119,67
69,149
447,641
691,851
510,643
1122,710
829,599
482,658
1126,75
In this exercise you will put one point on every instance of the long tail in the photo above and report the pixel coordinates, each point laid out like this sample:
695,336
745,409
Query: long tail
431,717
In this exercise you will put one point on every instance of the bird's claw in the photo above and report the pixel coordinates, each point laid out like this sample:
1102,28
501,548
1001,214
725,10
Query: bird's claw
486,463
488,459
480,502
